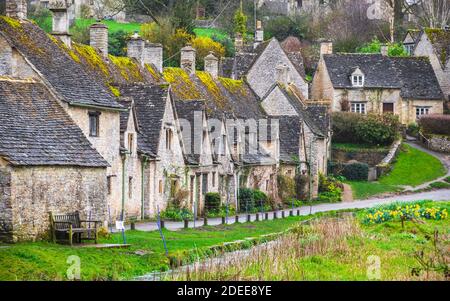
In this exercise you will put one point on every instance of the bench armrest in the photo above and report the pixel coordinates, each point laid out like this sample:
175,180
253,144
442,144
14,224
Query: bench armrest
70,223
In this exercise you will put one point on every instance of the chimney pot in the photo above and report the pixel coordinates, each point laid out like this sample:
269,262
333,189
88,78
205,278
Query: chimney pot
259,34
60,26
282,72
135,47
238,42
188,56
212,65
326,48
153,54
384,50
99,37
16,9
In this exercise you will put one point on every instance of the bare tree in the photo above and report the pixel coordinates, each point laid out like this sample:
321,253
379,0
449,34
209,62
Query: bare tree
433,13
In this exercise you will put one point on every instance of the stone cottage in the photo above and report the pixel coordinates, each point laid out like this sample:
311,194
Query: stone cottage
46,162
433,43
362,83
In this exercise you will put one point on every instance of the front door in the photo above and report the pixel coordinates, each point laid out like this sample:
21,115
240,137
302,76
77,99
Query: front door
388,108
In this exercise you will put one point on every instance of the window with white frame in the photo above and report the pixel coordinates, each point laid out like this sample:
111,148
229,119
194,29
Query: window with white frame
358,80
422,111
358,107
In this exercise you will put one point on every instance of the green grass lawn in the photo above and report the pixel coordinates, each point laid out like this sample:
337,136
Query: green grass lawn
210,32
412,168
345,254
46,261
113,26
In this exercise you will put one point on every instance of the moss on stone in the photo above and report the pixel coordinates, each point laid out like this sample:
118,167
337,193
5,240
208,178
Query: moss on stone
92,58
114,90
127,68
155,75
11,21
182,85
233,86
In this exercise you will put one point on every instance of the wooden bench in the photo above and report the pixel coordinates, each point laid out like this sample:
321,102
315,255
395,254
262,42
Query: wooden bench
66,227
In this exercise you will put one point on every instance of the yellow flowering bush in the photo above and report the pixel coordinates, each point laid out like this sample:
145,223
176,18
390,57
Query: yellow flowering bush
408,212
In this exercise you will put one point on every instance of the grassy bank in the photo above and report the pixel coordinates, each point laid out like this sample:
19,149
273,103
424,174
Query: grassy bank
412,168
46,261
342,249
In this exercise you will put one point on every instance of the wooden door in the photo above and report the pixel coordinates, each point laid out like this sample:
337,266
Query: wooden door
388,108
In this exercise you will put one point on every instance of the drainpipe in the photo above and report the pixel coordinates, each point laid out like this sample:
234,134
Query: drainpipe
143,166
124,158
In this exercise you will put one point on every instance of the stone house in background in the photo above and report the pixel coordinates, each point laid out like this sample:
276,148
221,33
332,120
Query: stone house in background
363,83
46,162
433,43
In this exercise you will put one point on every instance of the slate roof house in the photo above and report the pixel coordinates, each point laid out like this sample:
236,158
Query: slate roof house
362,83
433,43
125,151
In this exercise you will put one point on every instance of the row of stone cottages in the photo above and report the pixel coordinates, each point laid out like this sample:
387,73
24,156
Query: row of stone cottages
84,130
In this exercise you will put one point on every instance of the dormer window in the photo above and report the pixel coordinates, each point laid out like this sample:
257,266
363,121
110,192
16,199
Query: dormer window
357,78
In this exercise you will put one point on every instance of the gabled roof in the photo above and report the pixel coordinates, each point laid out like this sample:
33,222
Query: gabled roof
223,96
290,128
186,110
63,72
440,39
150,103
414,76
35,130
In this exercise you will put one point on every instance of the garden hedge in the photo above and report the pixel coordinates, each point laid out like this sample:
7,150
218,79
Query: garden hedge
212,202
351,171
435,124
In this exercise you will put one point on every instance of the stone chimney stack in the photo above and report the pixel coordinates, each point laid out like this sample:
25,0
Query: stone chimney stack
282,73
16,9
60,27
153,54
326,48
384,50
259,34
99,37
188,55
135,47
212,65
238,42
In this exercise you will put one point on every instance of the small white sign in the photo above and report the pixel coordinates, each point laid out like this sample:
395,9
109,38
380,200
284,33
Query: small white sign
120,225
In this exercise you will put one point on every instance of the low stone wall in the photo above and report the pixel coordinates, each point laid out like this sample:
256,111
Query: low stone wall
385,165
370,157
439,144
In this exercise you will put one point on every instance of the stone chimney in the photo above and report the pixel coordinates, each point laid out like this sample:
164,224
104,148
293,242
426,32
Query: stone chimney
135,47
188,59
326,48
99,37
238,42
384,50
282,73
259,34
16,9
153,54
212,65
60,28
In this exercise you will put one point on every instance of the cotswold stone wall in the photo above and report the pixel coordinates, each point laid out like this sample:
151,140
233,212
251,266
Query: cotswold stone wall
35,191
372,158
5,205
439,144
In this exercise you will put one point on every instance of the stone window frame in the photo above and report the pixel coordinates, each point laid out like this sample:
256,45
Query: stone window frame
169,138
358,80
94,127
130,142
358,107
422,110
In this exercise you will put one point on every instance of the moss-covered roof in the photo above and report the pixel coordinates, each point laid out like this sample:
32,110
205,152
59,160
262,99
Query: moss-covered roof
223,96
440,39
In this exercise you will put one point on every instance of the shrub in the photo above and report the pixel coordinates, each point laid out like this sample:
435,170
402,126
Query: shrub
447,179
439,185
260,198
301,186
378,129
413,129
435,124
222,212
246,200
176,214
356,171
330,189
370,129
212,202
117,42
344,127
286,187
